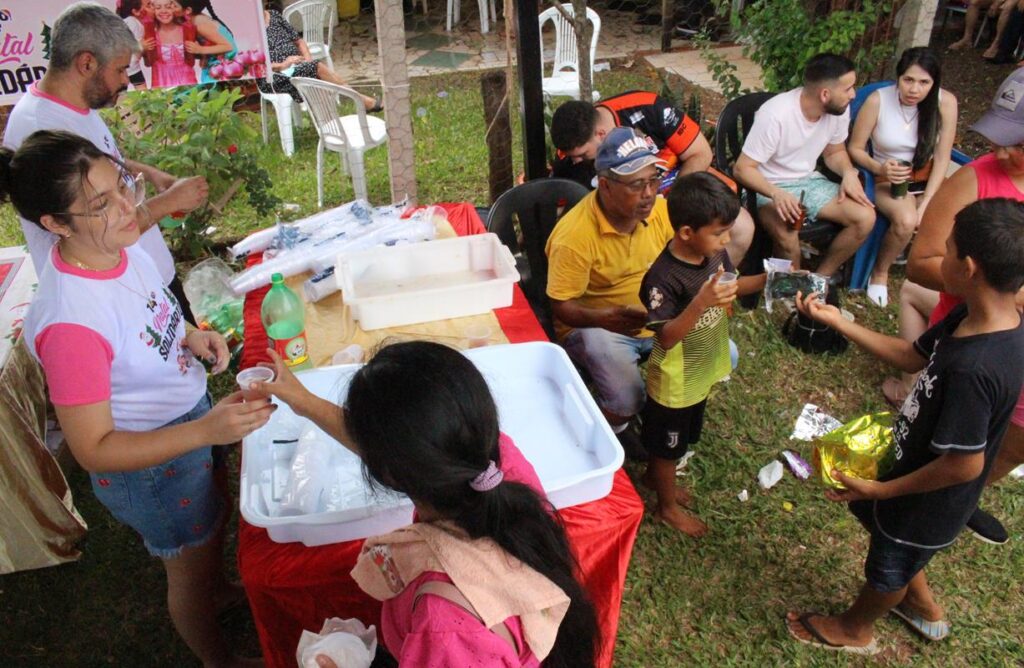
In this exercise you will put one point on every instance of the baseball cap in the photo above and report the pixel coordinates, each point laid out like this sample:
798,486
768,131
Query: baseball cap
625,151
1003,123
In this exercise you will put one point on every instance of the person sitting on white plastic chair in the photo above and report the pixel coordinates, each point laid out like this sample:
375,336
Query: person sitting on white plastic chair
290,57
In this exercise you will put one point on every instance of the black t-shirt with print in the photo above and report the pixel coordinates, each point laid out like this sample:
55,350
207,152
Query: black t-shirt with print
962,403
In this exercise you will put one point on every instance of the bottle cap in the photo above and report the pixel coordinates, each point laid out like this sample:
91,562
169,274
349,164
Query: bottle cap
276,277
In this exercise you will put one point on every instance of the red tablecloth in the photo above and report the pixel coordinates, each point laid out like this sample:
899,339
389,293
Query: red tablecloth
292,587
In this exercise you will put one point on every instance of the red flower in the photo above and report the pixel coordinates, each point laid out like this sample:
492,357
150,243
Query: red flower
233,149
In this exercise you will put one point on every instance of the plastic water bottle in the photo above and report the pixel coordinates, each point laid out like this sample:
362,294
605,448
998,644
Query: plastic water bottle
284,318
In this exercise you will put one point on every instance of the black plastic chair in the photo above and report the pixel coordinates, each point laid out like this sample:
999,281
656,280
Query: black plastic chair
523,218
734,123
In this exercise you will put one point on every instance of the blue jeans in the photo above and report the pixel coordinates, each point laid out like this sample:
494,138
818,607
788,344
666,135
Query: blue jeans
171,505
890,565
612,361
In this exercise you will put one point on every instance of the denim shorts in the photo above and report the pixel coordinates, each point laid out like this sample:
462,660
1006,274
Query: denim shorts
171,505
890,566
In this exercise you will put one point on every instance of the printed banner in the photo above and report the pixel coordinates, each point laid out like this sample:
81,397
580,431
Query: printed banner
185,41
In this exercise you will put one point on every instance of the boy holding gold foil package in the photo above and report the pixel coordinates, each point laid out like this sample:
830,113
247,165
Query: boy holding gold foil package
946,435
687,292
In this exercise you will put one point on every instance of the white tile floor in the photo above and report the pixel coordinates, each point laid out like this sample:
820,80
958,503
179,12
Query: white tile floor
356,56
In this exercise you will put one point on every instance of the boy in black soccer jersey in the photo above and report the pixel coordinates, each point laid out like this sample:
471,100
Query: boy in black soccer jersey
946,435
686,304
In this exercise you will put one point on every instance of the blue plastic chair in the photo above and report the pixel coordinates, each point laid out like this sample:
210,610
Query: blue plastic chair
864,260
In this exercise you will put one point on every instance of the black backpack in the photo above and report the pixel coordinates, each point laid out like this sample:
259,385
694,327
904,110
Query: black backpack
811,336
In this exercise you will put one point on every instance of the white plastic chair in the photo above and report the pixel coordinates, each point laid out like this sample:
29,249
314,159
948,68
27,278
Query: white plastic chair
289,117
565,74
455,14
317,25
350,135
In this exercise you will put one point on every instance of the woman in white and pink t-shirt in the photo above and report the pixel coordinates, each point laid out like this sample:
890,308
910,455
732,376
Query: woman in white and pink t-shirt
122,372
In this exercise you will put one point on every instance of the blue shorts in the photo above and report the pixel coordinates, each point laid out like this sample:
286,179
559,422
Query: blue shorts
173,505
817,191
890,565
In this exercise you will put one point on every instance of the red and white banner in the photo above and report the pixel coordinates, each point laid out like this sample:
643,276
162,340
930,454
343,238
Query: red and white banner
181,36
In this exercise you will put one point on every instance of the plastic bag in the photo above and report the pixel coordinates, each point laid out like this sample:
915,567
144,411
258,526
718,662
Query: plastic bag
346,642
862,448
785,284
312,473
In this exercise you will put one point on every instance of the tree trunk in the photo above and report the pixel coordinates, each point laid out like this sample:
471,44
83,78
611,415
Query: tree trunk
584,33
397,105
667,23
494,87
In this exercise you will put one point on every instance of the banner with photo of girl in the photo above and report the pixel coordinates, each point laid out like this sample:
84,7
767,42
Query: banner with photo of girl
184,42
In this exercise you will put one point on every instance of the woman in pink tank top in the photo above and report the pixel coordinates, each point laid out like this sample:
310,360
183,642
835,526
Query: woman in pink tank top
997,174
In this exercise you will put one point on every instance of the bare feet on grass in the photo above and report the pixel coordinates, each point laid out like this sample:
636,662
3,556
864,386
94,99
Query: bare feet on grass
680,520
682,495
829,628
960,44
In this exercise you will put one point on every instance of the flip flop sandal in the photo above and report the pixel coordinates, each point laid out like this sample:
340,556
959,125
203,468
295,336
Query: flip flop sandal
894,393
378,105
820,641
933,631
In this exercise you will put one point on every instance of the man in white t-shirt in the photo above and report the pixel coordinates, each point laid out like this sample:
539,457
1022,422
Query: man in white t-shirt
791,131
90,52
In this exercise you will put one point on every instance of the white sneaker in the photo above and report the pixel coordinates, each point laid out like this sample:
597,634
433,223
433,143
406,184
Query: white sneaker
878,294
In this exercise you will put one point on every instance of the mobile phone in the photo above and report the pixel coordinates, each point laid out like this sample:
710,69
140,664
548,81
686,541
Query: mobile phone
917,187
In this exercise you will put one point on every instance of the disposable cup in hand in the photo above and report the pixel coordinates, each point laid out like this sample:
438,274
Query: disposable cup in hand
256,374
478,336
727,278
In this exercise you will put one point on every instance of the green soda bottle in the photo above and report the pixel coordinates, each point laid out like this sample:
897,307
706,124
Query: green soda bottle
284,318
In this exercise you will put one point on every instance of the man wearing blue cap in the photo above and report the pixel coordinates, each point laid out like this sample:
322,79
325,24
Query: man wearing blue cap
598,254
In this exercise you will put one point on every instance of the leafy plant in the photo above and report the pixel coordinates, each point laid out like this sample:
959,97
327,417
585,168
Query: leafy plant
195,132
782,35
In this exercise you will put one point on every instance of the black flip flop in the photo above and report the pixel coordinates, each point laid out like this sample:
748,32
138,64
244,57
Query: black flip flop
378,105
821,641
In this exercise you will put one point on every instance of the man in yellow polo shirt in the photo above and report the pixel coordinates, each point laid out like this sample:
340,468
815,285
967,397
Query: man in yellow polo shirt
598,254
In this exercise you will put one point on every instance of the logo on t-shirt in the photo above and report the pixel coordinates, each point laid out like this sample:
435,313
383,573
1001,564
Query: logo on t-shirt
670,117
654,299
161,333
923,388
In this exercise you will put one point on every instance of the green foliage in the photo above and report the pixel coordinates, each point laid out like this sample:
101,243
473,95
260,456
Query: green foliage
196,132
781,36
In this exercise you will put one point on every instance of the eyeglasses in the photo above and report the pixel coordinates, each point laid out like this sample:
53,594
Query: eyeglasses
639,185
131,191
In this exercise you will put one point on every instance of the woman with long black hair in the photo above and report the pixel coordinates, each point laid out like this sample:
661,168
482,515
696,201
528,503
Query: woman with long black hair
911,122
485,575
216,41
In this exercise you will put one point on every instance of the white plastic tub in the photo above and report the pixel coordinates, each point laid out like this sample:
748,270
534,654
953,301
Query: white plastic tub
434,280
542,404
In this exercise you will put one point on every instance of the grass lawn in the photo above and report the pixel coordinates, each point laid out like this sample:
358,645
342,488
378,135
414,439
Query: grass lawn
719,601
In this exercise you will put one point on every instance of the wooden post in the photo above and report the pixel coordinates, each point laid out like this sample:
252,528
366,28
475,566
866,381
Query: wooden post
493,87
530,92
397,106
667,17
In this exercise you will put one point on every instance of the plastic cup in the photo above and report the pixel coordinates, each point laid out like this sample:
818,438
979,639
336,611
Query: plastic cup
478,336
899,190
352,354
799,222
256,374
728,278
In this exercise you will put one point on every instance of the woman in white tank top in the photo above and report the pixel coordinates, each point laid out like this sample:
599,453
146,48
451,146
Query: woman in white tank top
913,121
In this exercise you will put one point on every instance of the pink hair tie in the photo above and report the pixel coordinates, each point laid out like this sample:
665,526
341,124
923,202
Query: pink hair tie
488,479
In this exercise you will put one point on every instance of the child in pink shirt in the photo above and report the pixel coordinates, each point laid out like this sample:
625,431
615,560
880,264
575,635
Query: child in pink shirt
485,577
